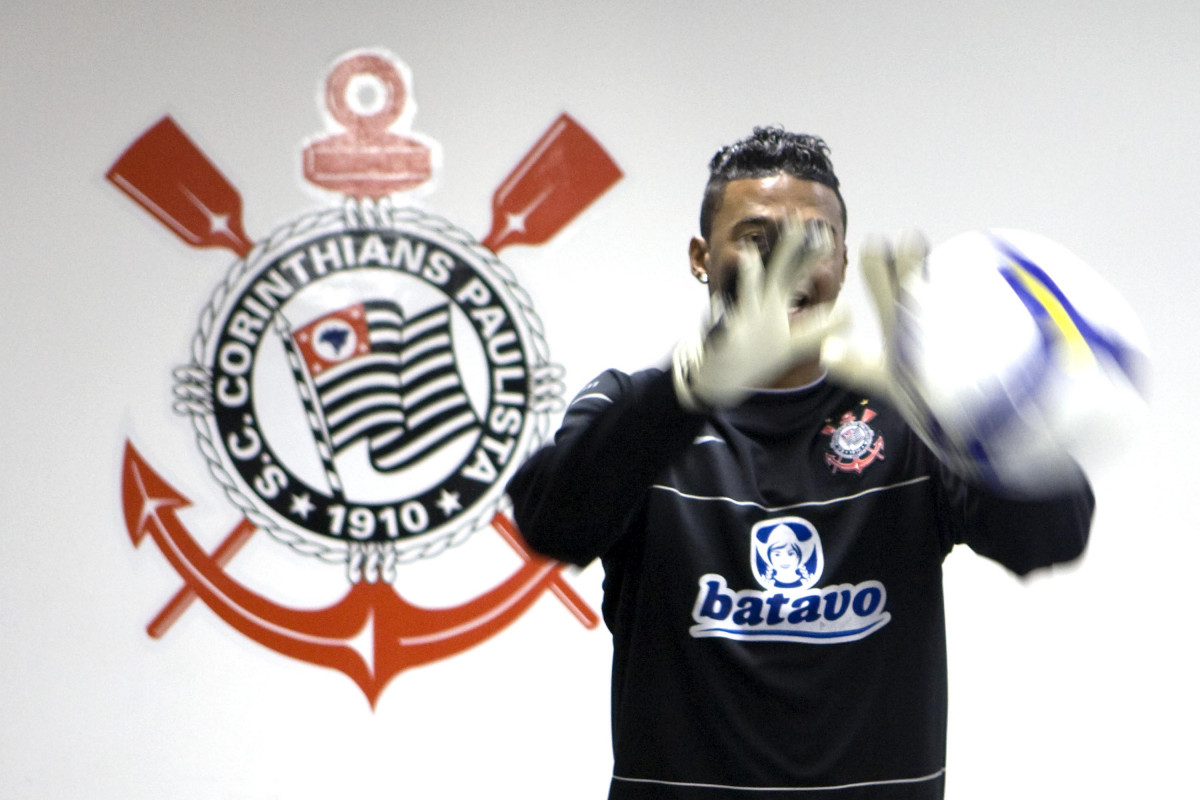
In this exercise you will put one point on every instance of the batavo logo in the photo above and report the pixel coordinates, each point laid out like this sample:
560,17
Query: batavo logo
364,380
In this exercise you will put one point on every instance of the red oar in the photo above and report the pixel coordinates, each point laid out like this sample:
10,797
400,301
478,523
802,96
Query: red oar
178,604
564,172
169,176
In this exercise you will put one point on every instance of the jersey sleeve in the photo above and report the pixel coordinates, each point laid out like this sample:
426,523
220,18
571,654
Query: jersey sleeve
1020,534
573,499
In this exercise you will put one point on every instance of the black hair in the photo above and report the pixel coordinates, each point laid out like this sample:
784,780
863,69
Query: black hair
769,151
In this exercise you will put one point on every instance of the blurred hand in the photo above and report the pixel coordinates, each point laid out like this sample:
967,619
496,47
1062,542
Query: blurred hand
760,332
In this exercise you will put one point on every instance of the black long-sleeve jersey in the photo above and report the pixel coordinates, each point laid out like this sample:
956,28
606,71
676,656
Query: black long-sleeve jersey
773,584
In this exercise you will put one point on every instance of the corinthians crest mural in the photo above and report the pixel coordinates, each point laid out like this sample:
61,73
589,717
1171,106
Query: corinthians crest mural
362,381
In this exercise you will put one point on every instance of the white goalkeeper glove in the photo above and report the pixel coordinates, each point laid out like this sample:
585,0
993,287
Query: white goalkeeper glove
886,270
753,340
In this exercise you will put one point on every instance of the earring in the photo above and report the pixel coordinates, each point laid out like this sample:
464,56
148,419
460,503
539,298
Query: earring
702,277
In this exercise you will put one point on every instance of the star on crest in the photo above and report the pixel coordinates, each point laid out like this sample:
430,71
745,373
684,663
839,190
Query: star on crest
449,503
302,505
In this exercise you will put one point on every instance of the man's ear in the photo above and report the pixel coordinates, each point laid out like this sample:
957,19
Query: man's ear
698,256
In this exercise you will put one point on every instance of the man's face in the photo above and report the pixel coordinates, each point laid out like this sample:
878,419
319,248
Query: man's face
754,214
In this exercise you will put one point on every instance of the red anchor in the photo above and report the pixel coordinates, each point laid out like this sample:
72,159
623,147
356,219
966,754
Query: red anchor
371,634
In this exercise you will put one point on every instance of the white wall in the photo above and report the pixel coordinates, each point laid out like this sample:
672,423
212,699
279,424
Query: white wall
1076,120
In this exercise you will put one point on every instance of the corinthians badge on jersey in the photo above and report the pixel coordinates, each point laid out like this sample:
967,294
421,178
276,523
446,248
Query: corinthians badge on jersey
364,380
853,444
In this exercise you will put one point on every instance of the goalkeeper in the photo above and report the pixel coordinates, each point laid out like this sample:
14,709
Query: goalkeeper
772,529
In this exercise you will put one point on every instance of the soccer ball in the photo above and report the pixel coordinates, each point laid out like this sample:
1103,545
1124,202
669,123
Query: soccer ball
1023,368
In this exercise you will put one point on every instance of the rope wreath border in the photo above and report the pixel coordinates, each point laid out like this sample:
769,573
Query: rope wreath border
369,561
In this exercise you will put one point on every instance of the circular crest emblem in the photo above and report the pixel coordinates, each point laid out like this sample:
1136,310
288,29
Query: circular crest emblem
852,439
854,443
369,378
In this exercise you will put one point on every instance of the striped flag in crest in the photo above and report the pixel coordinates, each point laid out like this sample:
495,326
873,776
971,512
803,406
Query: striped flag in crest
389,380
